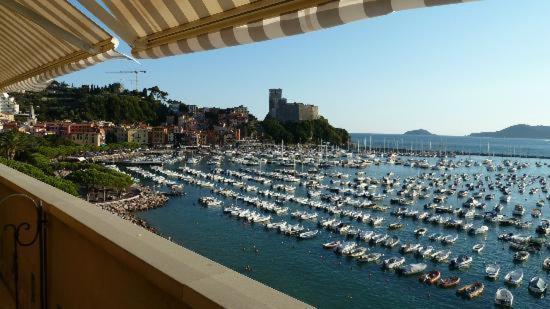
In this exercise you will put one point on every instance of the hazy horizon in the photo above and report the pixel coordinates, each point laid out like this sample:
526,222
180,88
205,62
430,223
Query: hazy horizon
452,70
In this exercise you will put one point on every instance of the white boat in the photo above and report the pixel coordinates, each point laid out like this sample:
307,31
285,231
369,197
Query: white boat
425,252
492,271
514,277
521,256
519,210
478,248
481,230
538,285
441,256
346,247
371,257
393,262
503,297
505,198
546,264
449,239
331,245
192,160
308,234
413,269
421,231
462,261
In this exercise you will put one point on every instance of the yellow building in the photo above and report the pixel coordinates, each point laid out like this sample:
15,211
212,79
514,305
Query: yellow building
138,135
87,138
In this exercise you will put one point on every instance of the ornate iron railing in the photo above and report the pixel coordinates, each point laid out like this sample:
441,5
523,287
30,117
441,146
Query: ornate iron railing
19,229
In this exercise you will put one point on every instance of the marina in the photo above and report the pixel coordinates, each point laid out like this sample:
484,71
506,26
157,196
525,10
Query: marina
363,224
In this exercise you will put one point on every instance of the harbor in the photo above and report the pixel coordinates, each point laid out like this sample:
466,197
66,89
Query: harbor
362,224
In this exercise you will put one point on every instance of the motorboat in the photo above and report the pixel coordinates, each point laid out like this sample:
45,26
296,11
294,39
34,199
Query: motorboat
425,252
492,271
536,213
395,226
391,242
546,264
421,231
519,210
521,256
462,261
408,248
480,230
345,247
449,282
544,227
308,234
413,269
471,290
514,277
478,248
331,245
538,285
504,298
430,277
357,252
449,239
441,256
371,257
393,262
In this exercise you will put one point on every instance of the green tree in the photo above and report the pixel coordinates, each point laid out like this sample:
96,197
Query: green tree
12,143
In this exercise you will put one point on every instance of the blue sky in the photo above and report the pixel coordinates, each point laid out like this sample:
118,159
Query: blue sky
453,70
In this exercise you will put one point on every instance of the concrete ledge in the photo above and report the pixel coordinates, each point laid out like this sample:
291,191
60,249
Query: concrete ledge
189,278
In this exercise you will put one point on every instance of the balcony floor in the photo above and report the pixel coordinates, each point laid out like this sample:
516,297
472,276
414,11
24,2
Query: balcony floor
6,301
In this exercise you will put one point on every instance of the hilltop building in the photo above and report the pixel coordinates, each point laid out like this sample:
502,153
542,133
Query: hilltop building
289,112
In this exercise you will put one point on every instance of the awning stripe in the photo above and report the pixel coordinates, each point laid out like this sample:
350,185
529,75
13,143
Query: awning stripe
40,82
326,15
45,39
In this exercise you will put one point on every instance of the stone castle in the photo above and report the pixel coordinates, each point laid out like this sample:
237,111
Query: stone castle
289,112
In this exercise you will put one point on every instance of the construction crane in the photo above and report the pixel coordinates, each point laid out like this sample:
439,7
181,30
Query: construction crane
135,72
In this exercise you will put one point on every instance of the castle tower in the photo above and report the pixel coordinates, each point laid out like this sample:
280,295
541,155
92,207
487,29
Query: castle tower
275,96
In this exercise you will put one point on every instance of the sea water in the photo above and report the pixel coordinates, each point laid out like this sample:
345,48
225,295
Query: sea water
307,271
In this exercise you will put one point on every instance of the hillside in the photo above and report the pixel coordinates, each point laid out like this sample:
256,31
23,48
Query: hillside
87,103
418,132
518,131
309,131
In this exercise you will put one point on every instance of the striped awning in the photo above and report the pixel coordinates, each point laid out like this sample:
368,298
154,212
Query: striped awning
40,40
43,80
160,28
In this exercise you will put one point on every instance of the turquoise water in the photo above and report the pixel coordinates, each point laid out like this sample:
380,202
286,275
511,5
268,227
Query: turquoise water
303,269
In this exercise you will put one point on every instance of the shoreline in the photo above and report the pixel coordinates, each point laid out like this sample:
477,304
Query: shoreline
147,199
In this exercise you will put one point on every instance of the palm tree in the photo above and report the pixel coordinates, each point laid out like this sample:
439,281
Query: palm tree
12,143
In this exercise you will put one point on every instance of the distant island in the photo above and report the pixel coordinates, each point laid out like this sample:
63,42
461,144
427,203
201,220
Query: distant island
518,131
418,132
